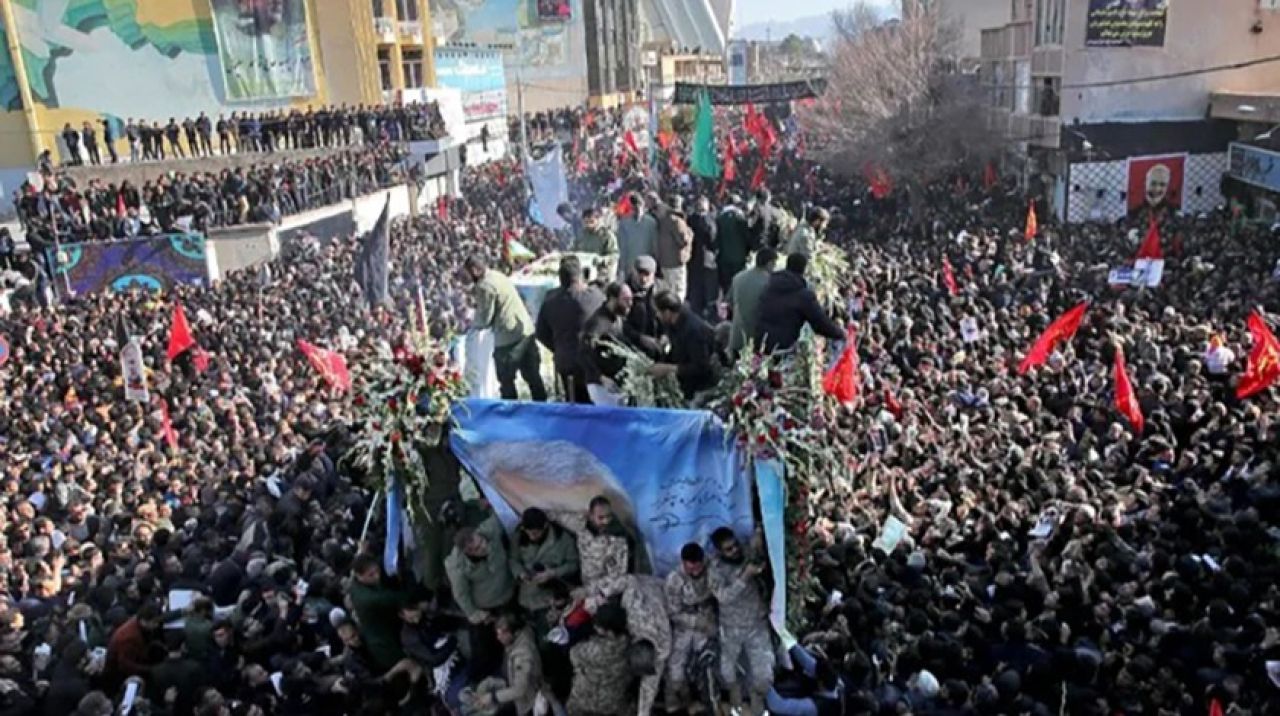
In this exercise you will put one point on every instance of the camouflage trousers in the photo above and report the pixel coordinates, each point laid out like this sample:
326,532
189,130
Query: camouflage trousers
754,646
685,645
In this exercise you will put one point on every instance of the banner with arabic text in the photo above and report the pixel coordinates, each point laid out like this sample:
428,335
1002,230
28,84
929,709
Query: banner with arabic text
687,93
1126,23
672,476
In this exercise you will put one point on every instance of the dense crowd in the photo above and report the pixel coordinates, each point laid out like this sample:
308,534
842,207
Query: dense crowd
240,132
201,200
1052,559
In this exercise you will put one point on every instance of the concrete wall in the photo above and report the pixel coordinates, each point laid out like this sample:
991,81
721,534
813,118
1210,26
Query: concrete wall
240,247
971,17
1198,34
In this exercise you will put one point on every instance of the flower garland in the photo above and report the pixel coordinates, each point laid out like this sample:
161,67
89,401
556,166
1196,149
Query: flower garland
404,399
641,389
775,406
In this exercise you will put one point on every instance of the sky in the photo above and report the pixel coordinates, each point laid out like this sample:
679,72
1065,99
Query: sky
756,11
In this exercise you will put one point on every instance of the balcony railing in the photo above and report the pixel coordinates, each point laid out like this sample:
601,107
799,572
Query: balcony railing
411,29
385,28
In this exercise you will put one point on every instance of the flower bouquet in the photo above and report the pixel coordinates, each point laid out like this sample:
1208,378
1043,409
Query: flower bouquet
775,407
404,400
641,389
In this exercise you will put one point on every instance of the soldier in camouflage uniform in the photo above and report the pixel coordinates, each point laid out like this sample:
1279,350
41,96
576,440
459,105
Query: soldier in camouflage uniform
601,676
744,619
644,599
604,547
693,620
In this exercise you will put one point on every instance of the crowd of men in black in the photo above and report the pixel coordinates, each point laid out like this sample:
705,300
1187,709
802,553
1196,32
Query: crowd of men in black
240,132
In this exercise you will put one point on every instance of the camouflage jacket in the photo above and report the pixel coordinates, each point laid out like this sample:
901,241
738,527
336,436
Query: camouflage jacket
740,598
603,555
692,606
601,677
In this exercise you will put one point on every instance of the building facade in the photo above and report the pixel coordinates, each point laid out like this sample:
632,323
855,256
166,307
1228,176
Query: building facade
1108,106
613,59
406,46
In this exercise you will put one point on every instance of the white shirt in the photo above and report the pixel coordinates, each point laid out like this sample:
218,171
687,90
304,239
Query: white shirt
1218,360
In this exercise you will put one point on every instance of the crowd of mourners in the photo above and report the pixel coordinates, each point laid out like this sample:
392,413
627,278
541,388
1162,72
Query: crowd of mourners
65,211
241,132
1053,559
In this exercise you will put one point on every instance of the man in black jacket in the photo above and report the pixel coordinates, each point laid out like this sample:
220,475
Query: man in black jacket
703,284
606,327
693,357
787,305
642,320
559,327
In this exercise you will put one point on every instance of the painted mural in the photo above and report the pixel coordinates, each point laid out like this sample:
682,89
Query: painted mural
547,48
132,58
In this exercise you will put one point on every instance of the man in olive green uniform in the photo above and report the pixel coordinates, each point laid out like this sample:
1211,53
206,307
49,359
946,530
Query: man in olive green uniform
596,238
543,552
377,611
499,308
481,583
601,675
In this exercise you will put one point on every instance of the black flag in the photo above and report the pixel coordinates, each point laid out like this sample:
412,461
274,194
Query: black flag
372,264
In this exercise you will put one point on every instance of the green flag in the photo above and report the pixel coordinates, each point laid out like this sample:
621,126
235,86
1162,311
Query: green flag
705,163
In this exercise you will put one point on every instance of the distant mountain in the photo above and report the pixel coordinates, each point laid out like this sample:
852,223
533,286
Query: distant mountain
815,26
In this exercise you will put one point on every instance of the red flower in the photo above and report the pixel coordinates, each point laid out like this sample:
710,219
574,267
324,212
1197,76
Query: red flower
773,432
760,439
775,379
359,401
395,437
392,404
738,400
788,424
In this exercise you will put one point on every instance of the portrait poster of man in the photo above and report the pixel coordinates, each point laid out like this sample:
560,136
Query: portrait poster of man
1126,23
1156,183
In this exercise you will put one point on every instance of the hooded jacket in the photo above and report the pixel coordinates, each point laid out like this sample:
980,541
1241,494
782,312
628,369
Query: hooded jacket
786,305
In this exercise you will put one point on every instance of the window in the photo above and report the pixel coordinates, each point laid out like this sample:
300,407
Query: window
384,70
1048,97
378,9
407,10
1051,22
412,69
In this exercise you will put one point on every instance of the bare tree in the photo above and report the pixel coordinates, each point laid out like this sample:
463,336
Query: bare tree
895,99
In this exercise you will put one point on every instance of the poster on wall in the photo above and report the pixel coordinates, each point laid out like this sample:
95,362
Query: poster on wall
1156,183
265,48
1126,23
541,48
479,77
554,10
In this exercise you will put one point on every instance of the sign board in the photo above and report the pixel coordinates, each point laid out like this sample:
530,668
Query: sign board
479,76
1122,276
1126,23
1254,165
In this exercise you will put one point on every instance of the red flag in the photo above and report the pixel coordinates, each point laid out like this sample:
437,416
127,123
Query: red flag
730,159
989,177
1126,400
891,403
1062,328
757,179
625,207
120,207
1033,226
881,183
1264,359
1215,707
166,425
949,277
507,236
664,140
629,139
844,379
442,207
180,339
330,364
1150,248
